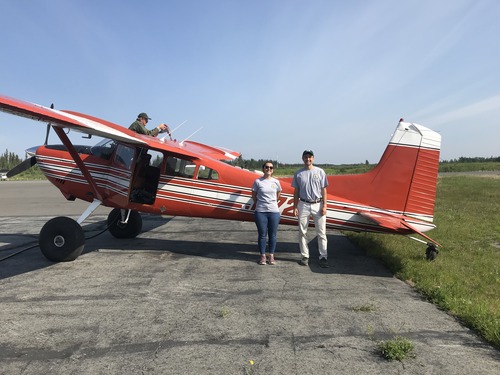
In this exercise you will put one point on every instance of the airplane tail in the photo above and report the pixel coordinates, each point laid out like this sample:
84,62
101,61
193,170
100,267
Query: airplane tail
405,179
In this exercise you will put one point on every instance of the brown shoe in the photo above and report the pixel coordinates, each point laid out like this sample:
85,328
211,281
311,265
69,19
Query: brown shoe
272,262
262,260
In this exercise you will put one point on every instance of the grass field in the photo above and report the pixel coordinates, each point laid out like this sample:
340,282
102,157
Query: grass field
465,278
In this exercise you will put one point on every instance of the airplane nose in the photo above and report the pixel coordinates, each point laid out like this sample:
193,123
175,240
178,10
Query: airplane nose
31,151
26,164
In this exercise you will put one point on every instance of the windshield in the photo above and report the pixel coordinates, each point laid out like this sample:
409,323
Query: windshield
103,149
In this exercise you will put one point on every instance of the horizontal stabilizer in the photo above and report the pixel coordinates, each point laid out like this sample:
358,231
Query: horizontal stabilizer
393,222
420,233
383,220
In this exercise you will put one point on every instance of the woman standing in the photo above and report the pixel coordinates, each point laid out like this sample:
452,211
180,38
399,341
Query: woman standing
266,191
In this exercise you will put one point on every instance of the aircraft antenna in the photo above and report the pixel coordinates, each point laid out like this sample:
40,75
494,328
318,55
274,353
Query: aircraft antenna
172,131
191,135
178,126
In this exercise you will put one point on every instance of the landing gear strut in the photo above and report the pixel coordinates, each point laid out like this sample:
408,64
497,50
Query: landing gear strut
124,227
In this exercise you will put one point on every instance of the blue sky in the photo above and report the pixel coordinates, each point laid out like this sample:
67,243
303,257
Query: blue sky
265,78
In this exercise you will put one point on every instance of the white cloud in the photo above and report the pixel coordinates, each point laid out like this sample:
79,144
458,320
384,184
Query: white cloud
468,112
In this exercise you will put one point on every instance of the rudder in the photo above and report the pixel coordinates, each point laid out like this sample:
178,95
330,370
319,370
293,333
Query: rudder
405,179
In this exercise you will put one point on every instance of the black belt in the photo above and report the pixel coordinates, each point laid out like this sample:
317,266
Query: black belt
311,202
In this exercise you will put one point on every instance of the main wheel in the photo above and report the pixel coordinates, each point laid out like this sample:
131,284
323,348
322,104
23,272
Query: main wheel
61,239
124,230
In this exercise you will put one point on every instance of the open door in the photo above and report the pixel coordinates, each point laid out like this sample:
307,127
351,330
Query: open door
146,176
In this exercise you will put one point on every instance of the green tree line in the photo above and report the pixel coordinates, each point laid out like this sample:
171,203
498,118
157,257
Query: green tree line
462,164
9,160
463,159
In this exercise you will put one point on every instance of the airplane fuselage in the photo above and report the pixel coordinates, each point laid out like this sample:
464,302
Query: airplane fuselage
189,190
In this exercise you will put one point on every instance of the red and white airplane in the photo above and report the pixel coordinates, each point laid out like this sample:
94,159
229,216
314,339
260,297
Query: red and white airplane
134,173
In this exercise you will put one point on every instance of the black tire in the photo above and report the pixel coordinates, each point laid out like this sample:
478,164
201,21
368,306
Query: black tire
120,230
61,239
431,253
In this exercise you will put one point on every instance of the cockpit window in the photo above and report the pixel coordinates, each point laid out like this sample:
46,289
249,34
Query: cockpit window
205,173
180,167
124,156
187,168
104,149
156,158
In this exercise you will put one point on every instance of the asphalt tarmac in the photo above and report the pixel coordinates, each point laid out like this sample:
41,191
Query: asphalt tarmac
187,297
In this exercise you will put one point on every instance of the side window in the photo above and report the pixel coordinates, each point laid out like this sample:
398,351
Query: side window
180,167
124,156
147,160
156,158
205,173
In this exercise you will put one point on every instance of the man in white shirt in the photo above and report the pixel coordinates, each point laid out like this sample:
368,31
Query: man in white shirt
309,199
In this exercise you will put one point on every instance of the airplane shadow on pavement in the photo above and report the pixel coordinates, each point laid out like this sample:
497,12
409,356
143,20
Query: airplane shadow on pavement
193,238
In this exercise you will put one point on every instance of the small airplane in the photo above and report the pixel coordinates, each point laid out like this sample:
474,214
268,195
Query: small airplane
133,173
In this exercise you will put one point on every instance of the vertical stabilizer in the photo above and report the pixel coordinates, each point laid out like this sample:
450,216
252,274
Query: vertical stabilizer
422,192
405,179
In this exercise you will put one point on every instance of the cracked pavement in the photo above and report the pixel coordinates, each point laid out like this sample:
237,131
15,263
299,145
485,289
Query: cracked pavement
187,296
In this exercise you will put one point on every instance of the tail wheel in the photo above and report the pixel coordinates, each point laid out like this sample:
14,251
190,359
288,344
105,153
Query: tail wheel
431,252
61,239
130,229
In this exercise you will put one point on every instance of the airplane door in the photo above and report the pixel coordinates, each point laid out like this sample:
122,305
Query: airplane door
120,177
179,185
146,177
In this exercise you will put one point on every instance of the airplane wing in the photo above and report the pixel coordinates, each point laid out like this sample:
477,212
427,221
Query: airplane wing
95,126
67,119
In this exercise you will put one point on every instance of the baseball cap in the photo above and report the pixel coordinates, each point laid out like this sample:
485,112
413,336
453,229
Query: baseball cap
310,152
144,115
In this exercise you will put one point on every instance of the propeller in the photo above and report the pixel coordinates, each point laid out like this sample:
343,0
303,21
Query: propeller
28,163
25,165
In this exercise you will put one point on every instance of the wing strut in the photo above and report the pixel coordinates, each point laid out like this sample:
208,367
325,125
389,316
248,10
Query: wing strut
76,157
